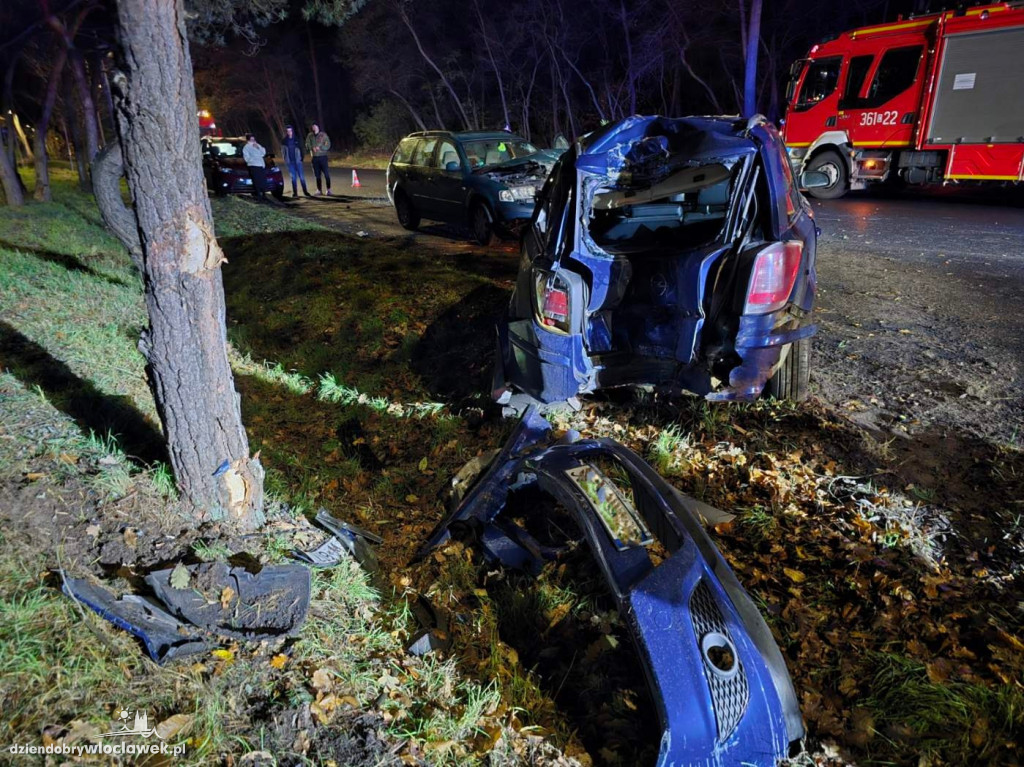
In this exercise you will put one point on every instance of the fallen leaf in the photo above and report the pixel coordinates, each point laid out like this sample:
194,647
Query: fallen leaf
411,498
223,654
131,538
174,725
794,575
423,464
33,476
226,596
179,577
279,661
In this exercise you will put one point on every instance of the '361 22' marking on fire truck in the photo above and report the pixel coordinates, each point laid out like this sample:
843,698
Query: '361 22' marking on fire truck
879,118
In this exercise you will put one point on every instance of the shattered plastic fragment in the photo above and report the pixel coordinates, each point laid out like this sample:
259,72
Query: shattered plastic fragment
164,636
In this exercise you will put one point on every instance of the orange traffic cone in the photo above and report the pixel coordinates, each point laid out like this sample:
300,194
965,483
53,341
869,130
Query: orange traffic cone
355,179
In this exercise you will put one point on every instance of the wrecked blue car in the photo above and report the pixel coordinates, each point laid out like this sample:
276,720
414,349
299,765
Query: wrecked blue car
719,681
675,253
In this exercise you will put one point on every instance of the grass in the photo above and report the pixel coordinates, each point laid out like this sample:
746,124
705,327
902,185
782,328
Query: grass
360,364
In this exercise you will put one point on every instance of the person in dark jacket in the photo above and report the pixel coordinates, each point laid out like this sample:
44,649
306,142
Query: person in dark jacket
292,148
317,144
253,154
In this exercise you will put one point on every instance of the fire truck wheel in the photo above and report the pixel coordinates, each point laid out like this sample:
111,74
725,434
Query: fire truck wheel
791,380
834,166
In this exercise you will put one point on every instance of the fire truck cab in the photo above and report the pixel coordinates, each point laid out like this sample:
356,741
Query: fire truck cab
936,98
207,126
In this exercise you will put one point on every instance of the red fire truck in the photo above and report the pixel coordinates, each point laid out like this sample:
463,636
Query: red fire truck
207,127
936,98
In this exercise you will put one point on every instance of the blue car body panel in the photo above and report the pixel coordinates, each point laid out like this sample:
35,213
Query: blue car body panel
647,312
745,714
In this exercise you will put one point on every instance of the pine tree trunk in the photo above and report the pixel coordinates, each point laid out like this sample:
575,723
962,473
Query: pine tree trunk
186,344
42,190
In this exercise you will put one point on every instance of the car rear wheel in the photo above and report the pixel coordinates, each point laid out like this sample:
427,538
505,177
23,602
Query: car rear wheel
834,166
278,194
791,380
407,215
480,223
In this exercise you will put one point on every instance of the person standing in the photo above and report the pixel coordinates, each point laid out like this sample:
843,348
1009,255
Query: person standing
317,144
292,148
253,154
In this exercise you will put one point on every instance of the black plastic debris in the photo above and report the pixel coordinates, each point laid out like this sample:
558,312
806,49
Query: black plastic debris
355,540
434,636
233,602
164,636
327,554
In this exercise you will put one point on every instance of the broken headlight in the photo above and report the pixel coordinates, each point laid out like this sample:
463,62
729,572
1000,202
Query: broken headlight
518,194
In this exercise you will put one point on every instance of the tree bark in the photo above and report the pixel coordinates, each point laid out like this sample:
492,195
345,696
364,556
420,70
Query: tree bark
186,343
42,190
494,64
9,178
107,170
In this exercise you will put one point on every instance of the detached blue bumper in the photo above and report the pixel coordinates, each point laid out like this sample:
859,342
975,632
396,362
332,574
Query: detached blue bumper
721,685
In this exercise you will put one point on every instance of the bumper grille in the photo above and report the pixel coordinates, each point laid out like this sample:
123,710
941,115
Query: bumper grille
730,692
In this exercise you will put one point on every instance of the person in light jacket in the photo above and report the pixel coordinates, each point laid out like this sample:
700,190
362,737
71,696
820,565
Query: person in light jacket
317,144
292,148
253,154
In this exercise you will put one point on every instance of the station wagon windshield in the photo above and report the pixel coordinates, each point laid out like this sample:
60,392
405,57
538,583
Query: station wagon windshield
483,153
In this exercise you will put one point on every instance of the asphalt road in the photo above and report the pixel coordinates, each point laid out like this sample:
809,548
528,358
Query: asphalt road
920,304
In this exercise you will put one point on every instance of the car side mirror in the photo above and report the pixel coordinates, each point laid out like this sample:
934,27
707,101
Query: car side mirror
453,167
814,179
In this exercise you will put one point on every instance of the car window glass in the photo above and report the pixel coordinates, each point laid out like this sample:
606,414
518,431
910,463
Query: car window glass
446,154
857,71
405,150
493,151
820,80
424,152
896,72
226,148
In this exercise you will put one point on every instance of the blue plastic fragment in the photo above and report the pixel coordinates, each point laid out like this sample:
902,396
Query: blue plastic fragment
686,615
222,468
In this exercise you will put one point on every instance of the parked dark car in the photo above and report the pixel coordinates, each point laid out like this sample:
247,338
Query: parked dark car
225,170
666,252
487,181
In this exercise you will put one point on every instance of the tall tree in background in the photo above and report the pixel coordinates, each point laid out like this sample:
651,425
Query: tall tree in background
186,342
752,45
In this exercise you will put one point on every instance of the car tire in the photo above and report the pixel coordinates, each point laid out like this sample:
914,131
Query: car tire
278,194
480,224
407,215
791,381
834,166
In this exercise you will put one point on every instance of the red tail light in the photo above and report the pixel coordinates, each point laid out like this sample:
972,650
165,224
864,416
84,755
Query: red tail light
773,275
552,300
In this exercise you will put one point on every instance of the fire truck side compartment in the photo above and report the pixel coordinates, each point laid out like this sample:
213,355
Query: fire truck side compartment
979,98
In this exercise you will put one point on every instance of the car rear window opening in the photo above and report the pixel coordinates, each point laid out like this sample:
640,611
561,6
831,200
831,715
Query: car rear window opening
685,210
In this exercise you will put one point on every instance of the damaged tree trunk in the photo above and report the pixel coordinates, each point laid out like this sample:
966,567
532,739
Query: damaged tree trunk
186,343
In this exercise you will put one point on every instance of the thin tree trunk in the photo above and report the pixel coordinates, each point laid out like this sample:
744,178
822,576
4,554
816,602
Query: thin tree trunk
750,69
186,343
42,191
94,91
316,78
26,147
92,139
630,78
74,124
430,62
494,65
412,110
